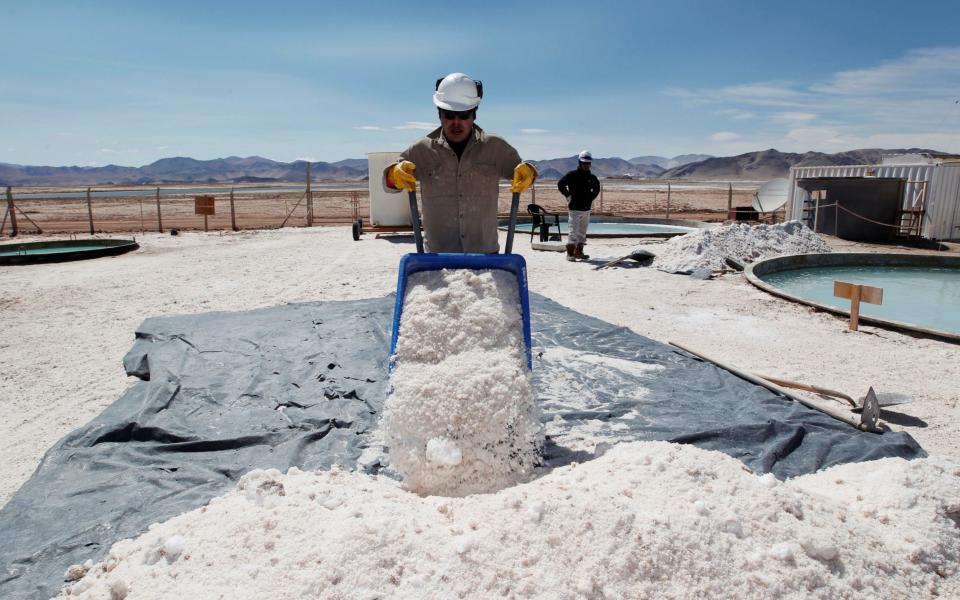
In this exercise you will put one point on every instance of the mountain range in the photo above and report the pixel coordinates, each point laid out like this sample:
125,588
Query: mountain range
756,166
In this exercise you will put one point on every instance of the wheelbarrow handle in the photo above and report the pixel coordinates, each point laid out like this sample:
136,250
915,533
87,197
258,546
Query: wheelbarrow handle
415,221
514,205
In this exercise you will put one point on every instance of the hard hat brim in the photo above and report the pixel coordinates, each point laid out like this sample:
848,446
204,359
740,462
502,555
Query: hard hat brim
441,102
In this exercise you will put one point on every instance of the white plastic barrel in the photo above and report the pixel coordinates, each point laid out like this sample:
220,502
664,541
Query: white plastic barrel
385,209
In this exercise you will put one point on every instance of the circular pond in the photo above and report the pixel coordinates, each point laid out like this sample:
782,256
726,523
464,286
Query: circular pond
920,292
617,227
62,250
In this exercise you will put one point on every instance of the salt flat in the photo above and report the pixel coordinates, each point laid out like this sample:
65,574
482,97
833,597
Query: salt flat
67,326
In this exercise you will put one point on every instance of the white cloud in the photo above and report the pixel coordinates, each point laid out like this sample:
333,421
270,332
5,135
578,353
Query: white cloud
417,125
792,117
816,137
532,131
311,159
107,150
368,128
927,71
161,147
724,136
737,114
909,101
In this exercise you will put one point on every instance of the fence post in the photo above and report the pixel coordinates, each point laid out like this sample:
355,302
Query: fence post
159,218
309,199
233,214
601,197
13,212
668,200
90,211
730,215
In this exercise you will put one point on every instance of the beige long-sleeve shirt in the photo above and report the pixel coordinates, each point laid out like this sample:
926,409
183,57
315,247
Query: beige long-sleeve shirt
459,197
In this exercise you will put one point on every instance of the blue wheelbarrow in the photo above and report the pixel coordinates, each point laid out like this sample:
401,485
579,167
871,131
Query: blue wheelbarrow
423,261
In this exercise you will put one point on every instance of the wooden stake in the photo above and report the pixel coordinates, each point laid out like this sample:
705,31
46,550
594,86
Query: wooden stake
205,222
857,293
159,219
90,211
233,214
12,210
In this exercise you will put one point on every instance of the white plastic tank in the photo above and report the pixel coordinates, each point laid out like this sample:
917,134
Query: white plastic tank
386,210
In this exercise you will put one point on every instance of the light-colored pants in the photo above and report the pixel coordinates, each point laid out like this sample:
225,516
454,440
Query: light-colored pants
577,221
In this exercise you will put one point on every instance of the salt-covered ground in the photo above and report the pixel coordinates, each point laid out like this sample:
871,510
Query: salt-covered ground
645,520
67,326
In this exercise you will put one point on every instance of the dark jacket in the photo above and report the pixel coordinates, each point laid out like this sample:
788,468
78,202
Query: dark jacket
581,187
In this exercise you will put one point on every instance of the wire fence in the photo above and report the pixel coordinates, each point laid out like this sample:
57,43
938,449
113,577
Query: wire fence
108,210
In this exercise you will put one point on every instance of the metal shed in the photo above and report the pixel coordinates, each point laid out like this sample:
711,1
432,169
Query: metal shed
930,202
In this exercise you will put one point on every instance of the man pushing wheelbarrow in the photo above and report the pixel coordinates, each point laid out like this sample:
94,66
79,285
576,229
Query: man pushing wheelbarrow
459,166
467,348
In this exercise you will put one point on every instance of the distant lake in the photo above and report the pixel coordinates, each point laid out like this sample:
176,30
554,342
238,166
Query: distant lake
168,191
609,185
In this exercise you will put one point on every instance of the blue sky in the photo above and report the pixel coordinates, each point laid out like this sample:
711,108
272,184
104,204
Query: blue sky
95,83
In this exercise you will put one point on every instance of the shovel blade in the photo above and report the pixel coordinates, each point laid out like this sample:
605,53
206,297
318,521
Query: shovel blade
870,415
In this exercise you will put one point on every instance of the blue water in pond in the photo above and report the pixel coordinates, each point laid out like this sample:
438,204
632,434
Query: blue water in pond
925,296
614,228
49,250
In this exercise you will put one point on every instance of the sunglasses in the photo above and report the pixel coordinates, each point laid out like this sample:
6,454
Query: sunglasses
450,115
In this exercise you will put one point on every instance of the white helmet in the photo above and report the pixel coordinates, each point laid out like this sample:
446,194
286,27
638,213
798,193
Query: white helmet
457,92
585,156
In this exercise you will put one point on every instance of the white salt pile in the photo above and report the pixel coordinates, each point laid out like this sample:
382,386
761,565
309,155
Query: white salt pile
645,520
461,417
706,248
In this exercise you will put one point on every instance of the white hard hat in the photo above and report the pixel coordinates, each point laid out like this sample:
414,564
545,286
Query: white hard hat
457,92
585,156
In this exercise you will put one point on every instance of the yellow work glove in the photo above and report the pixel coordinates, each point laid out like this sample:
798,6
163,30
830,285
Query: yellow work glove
401,176
523,176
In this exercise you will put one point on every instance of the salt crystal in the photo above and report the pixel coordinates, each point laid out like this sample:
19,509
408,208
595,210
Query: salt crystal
444,451
173,546
75,572
782,551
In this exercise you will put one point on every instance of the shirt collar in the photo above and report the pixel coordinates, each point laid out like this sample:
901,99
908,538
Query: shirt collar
436,135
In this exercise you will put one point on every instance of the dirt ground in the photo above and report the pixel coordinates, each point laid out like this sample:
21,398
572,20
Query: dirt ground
268,210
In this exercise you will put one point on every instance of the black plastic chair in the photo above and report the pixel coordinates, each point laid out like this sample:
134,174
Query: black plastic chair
542,220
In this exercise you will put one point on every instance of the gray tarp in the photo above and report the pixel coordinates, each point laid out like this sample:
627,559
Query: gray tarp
302,385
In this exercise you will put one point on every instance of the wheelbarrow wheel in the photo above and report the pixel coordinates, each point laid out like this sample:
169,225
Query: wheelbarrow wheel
357,229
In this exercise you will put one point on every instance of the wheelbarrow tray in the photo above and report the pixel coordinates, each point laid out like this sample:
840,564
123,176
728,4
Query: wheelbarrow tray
415,263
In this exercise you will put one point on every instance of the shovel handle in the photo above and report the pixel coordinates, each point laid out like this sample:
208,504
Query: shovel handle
810,388
514,205
415,221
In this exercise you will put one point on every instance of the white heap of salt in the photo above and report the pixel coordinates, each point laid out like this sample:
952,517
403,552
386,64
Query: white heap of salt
461,417
706,248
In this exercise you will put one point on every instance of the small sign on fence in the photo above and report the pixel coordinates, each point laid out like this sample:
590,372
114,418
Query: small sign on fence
204,205
857,293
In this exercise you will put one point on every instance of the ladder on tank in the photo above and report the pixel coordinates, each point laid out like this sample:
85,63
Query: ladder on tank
911,217
811,205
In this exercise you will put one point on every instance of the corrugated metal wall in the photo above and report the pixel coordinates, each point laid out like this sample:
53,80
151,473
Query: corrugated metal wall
942,219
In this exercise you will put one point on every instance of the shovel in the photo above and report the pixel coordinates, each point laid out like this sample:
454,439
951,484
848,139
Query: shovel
883,398
637,255
429,261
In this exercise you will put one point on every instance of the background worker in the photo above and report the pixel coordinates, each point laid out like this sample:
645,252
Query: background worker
580,187
459,166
